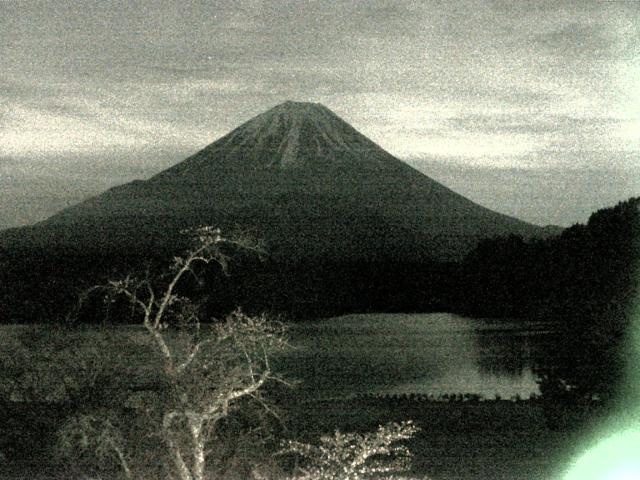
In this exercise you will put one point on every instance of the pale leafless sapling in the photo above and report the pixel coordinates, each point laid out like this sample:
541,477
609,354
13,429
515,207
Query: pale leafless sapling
207,369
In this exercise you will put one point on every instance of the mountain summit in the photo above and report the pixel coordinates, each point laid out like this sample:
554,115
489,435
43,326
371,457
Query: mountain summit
303,179
289,135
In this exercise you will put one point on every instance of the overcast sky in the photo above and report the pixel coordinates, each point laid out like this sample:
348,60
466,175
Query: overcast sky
530,108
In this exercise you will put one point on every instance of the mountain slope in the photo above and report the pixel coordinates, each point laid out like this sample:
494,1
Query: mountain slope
303,179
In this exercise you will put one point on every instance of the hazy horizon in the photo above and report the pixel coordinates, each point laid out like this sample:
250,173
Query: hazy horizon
532,110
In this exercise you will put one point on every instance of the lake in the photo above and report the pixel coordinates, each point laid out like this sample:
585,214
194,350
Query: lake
431,354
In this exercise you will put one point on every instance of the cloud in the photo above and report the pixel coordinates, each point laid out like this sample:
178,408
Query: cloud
500,148
55,132
568,132
577,39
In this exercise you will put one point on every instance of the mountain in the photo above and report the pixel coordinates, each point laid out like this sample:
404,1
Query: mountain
303,179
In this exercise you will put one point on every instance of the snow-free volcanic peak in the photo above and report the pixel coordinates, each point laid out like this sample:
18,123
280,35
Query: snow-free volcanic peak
289,135
306,181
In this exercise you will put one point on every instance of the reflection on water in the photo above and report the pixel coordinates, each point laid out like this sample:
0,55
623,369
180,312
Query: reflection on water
431,354
472,380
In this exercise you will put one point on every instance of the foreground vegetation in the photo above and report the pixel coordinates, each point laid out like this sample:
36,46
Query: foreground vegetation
457,440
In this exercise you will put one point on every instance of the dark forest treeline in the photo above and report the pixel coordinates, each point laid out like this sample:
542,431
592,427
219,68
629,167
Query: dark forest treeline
586,279
584,272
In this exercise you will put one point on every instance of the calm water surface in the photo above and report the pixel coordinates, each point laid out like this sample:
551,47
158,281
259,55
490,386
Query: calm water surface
433,354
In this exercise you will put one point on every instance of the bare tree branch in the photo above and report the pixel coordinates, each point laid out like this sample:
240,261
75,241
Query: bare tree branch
207,373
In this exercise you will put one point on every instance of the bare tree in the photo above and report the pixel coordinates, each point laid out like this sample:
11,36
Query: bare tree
95,436
355,456
206,370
